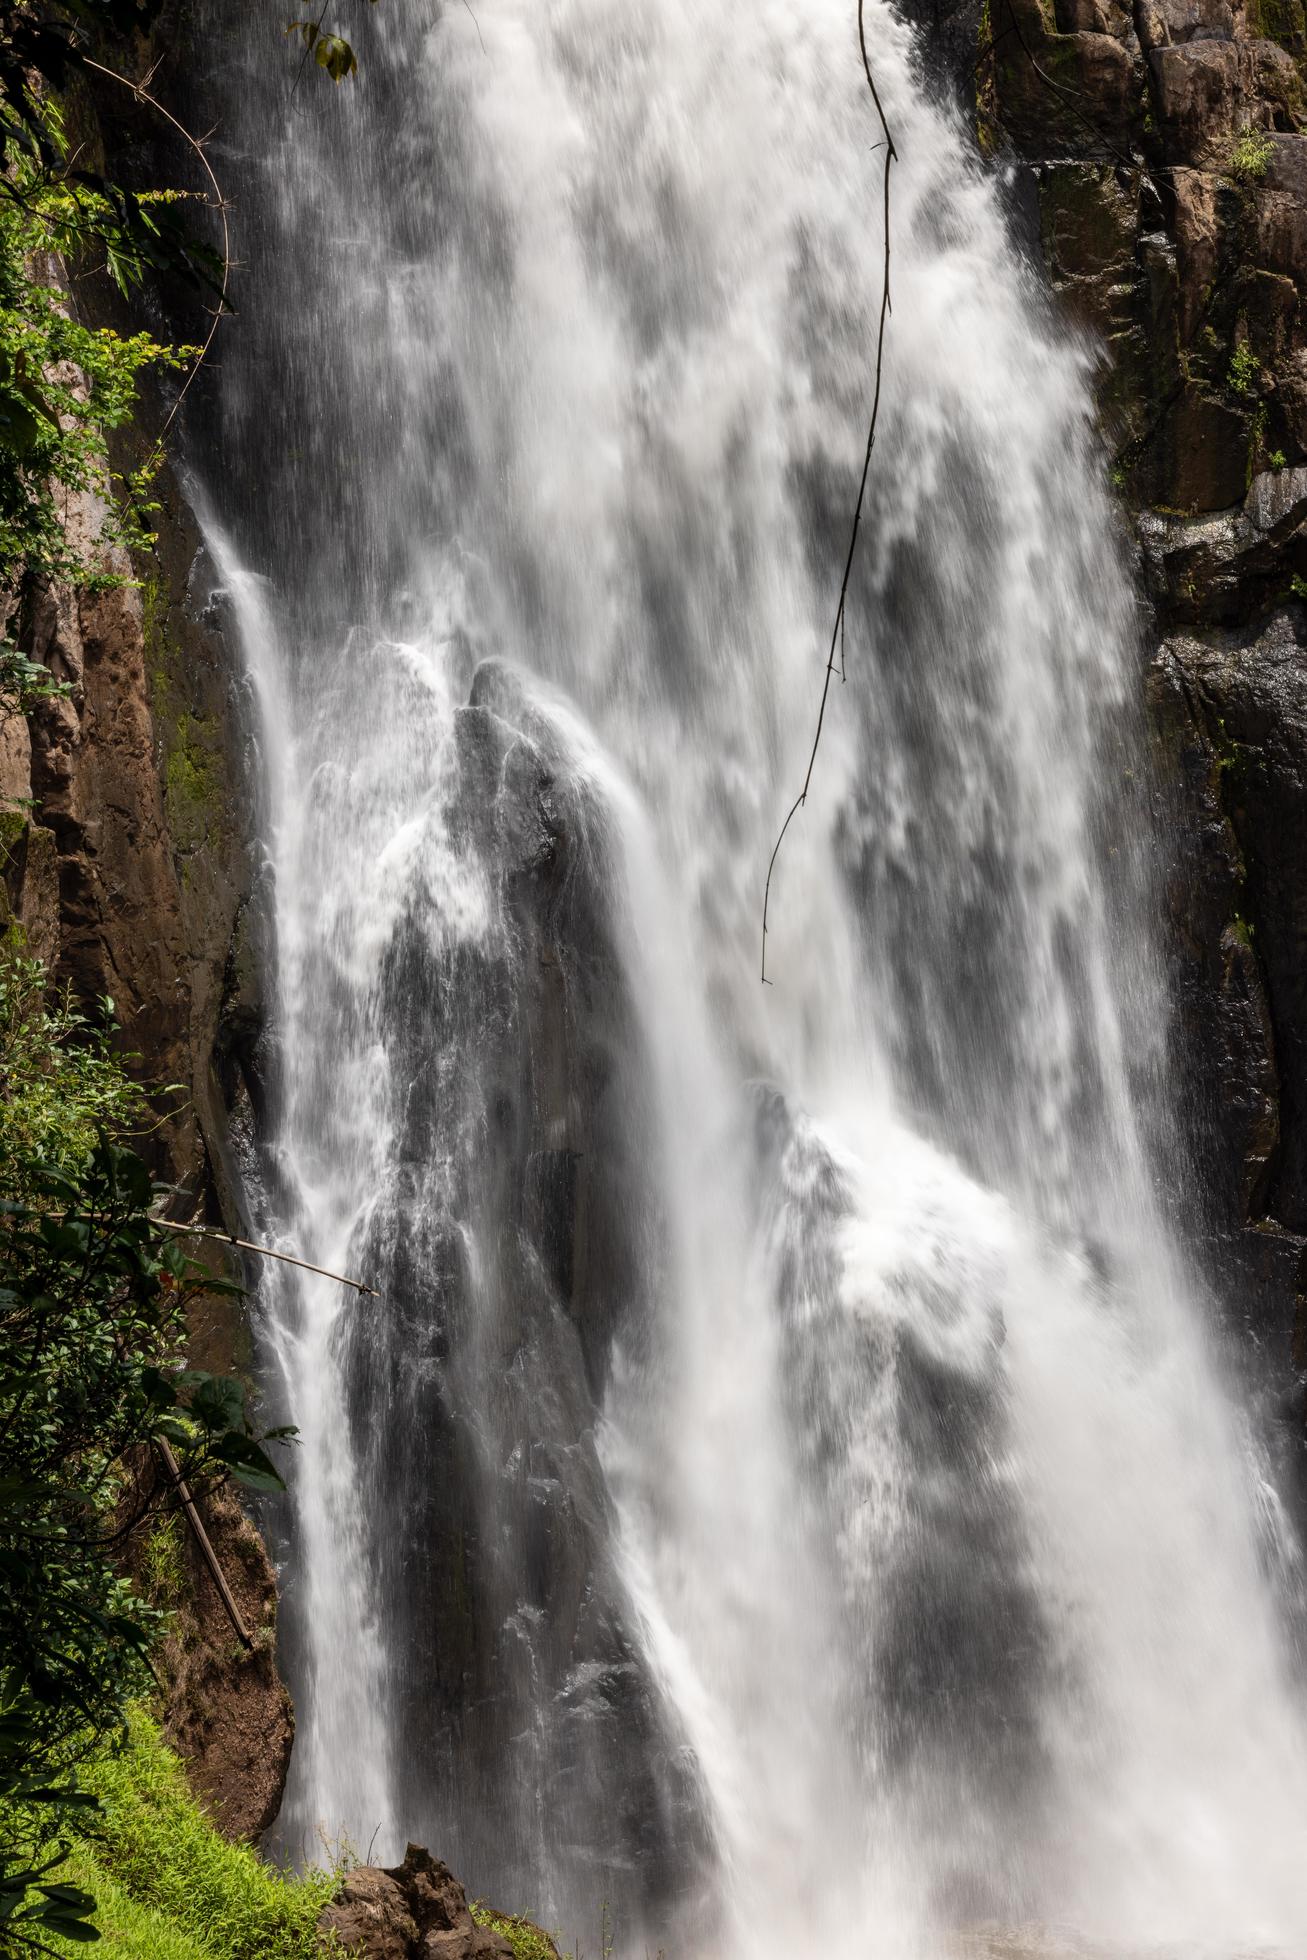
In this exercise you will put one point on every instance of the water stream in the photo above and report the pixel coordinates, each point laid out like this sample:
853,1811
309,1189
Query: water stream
788,1492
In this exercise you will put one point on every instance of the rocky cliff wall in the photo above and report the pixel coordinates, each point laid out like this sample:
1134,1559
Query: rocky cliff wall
125,866
1156,154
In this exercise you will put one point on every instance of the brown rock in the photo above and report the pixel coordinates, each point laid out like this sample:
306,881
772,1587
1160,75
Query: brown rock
414,1911
226,1711
137,773
15,758
1281,235
1293,394
1276,79
1196,20
1082,17
1203,447
1194,222
370,1917
1198,98
1287,168
1062,95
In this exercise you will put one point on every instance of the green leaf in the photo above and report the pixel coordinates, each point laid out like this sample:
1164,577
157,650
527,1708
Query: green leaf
218,1402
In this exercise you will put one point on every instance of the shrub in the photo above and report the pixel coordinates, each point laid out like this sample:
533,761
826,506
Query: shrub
93,1320
1251,156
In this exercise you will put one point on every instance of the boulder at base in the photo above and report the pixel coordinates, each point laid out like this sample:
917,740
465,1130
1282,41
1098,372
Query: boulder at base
414,1911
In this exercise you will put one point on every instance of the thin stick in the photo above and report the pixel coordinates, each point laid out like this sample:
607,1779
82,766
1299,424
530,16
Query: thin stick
836,638
142,94
202,1540
264,1251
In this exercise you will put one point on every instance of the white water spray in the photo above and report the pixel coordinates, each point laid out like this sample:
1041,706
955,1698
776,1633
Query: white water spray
920,1510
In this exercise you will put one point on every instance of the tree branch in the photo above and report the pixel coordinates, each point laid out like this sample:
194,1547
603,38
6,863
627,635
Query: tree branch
142,94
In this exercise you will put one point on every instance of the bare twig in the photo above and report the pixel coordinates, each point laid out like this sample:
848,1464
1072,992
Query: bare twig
264,1252
178,1483
837,631
142,94
476,23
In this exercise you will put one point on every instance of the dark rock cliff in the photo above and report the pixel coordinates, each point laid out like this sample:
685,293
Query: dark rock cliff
125,865
1157,159
123,804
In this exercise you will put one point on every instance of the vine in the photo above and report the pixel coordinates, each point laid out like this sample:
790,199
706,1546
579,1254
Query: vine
837,630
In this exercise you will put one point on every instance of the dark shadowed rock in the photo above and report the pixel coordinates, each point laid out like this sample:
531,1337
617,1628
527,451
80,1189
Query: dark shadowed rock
1171,178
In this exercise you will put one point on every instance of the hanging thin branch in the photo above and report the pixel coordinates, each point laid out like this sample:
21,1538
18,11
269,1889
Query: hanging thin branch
264,1252
837,631
142,94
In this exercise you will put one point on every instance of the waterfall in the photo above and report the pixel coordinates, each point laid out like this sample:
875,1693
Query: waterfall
789,1493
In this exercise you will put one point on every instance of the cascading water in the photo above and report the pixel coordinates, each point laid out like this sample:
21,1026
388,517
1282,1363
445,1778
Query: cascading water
787,1487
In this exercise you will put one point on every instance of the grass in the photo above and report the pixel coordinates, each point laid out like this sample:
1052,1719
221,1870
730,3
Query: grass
169,1887
128,1929
528,1941
1251,156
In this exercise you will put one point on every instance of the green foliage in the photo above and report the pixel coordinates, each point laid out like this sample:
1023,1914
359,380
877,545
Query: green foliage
133,1931
172,1888
332,52
1244,370
528,1941
63,388
161,1564
93,1319
61,1085
45,45
1277,460
1251,156
24,682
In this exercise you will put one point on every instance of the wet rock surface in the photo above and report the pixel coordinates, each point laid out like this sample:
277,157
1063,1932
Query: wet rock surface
1163,148
131,866
514,1666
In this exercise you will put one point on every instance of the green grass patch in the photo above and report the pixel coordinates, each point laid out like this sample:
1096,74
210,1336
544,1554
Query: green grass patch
169,1887
1251,156
528,1941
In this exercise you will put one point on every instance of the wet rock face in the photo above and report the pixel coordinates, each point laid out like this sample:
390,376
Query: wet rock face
507,1271
123,856
127,862
1163,145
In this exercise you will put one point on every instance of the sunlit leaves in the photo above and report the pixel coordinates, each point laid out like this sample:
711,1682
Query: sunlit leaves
331,51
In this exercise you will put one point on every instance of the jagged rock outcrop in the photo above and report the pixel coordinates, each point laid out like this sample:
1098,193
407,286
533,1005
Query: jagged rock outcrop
415,1911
